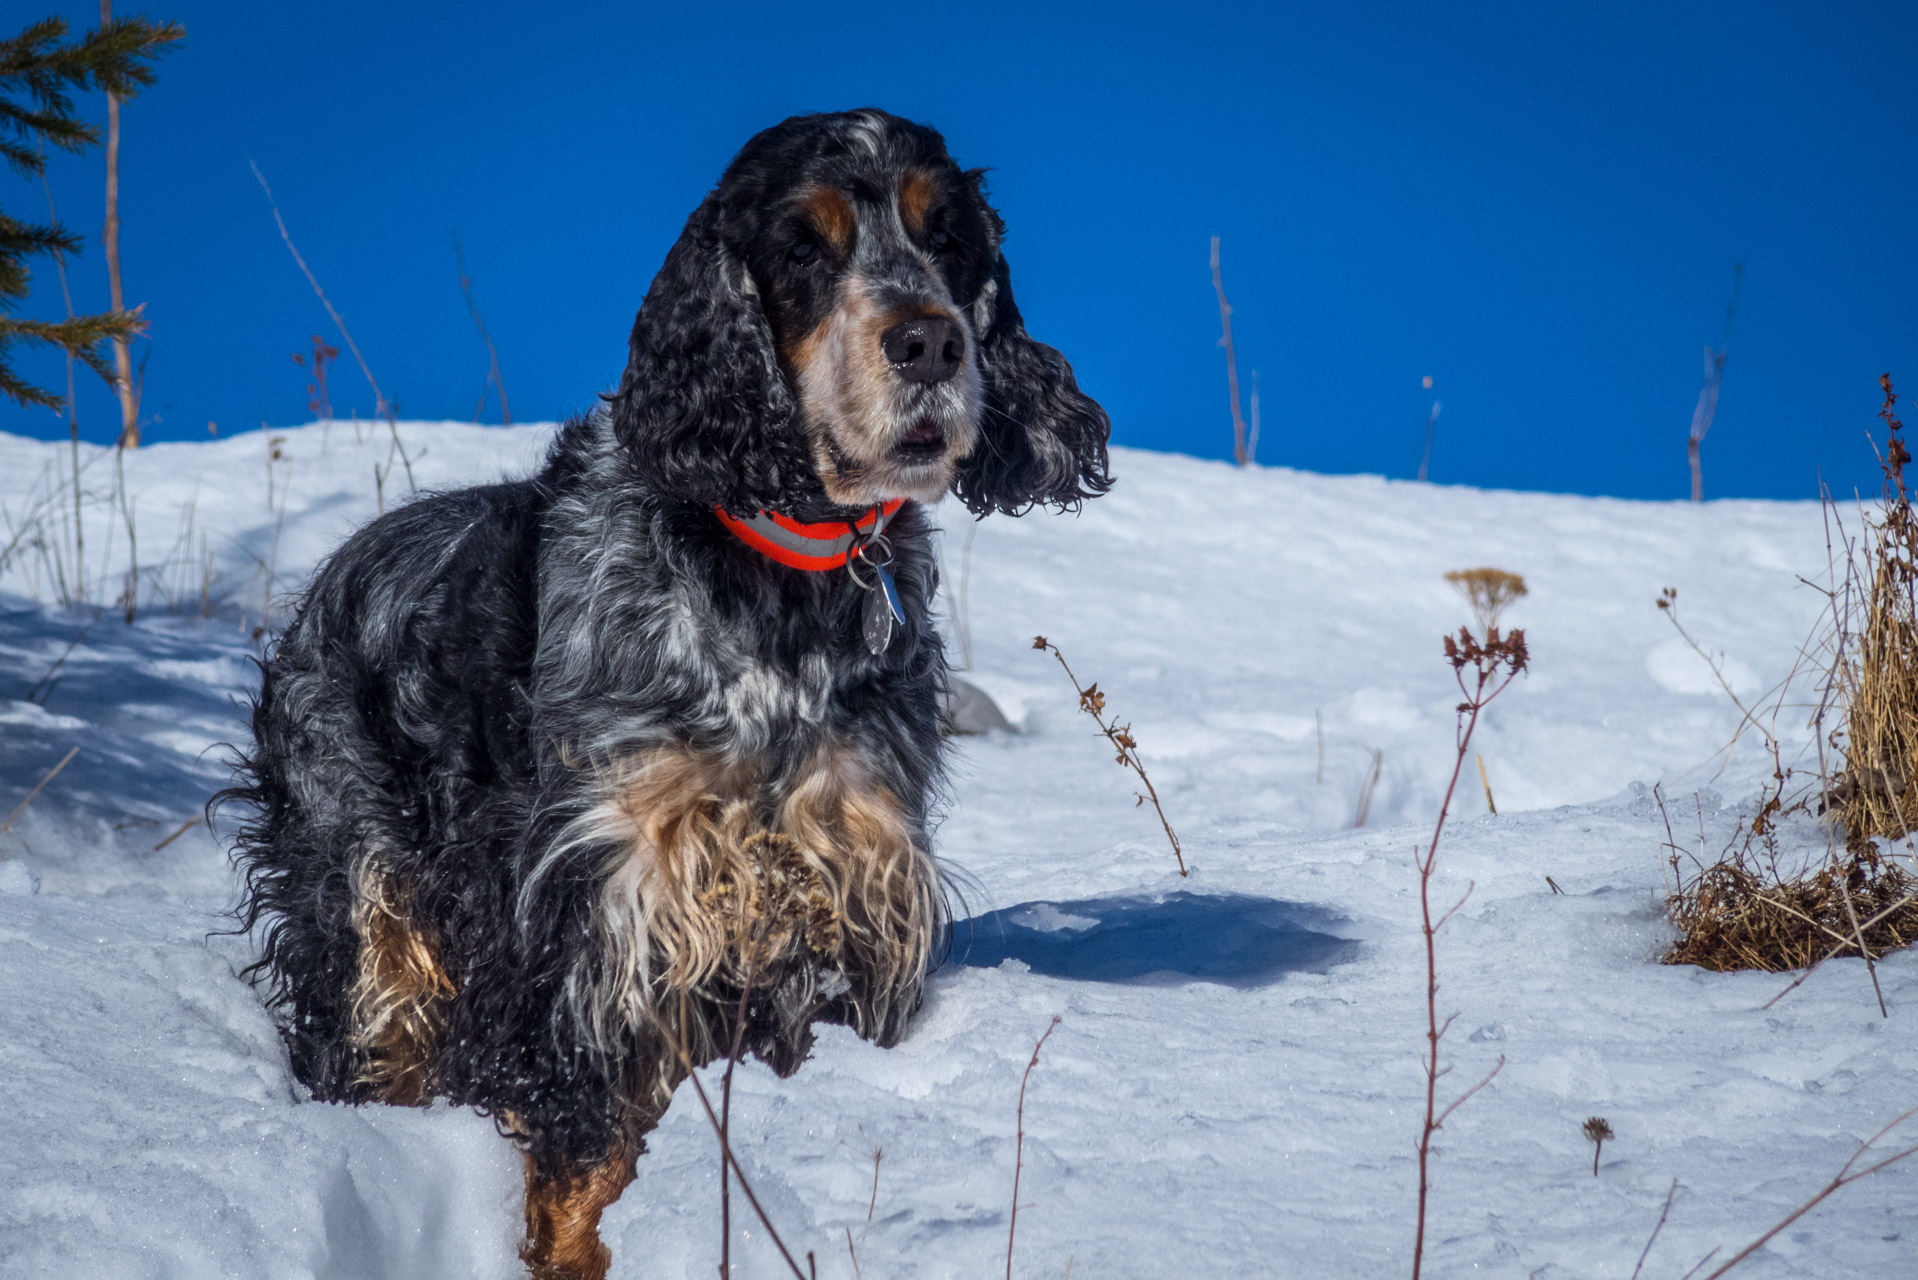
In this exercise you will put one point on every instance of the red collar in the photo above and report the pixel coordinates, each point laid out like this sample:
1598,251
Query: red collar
798,545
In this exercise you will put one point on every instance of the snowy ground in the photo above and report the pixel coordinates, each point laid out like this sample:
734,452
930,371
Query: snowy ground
1261,1123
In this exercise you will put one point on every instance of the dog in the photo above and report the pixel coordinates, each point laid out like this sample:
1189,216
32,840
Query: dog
562,787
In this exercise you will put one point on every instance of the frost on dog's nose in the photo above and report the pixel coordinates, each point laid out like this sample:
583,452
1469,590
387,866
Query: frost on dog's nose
924,348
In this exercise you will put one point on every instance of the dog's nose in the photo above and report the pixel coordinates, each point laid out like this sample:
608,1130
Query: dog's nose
924,348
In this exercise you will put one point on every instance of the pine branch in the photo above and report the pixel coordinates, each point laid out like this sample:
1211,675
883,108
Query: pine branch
81,335
22,392
117,59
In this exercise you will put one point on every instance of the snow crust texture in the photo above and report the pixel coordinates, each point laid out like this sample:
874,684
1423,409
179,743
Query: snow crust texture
1234,1088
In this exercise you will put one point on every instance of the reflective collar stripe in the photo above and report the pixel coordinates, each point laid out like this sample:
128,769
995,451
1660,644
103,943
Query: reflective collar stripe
817,547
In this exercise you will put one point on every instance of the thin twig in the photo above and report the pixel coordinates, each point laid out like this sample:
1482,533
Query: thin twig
1700,1264
1871,967
22,806
382,405
712,1117
1239,454
1895,907
1506,655
1367,786
1845,1177
73,408
853,1253
1019,1142
1656,1228
1092,702
726,1131
183,828
1318,724
48,680
878,1154
493,377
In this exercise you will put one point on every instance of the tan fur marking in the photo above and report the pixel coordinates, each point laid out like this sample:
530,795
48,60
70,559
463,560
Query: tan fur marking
856,838
728,876
396,995
918,190
805,351
849,391
562,1220
831,215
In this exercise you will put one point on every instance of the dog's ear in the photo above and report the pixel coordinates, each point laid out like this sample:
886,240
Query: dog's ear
1041,440
703,407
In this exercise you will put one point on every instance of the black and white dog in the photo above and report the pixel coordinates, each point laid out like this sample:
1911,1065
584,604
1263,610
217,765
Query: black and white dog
552,779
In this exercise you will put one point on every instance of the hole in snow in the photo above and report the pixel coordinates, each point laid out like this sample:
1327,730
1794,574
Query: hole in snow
1234,939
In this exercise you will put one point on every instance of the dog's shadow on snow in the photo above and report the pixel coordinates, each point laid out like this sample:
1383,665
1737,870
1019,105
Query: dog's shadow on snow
1233,939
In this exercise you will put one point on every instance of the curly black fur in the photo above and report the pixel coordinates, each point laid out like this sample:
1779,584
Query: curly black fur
439,713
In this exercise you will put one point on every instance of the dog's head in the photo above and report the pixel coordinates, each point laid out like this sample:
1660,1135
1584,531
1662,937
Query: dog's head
836,325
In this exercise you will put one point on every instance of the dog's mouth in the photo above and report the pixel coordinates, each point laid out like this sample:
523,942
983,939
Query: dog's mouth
923,442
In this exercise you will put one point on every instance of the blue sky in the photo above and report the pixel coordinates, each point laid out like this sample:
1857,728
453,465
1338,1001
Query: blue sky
1538,206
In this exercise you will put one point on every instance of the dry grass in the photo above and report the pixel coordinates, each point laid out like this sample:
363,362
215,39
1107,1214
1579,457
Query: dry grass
1755,907
1876,795
1732,915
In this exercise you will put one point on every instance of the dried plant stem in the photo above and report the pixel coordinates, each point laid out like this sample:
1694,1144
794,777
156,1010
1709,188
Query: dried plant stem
1858,937
1367,785
494,378
1485,782
1668,603
73,411
130,597
179,831
1431,429
1239,454
1495,664
878,1154
726,1132
1318,725
50,775
110,246
677,1040
1019,1142
1656,1228
1092,702
383,406
1842,944
1847,1175
43,687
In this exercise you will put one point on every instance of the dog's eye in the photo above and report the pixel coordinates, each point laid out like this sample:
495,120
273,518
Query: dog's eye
803,252
939,241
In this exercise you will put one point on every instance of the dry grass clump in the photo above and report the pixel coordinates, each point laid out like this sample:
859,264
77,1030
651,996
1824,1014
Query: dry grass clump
1732,916
1875,796
1756,908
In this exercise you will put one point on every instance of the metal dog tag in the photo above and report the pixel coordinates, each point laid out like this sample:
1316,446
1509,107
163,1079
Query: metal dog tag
882,610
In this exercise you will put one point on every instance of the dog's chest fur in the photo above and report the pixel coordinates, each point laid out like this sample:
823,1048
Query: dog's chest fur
656,627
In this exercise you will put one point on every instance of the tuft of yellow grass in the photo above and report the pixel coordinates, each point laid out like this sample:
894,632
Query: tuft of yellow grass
1732,916
1876,796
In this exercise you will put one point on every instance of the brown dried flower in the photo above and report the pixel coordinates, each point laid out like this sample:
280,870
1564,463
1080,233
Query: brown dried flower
1596,1132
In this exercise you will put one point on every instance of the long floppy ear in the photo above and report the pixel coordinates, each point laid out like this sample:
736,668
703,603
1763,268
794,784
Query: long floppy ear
1042,440
703,408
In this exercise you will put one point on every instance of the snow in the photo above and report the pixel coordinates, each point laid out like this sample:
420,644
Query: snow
1259,1121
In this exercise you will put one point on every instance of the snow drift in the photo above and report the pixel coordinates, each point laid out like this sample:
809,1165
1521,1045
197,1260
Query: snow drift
1235,1087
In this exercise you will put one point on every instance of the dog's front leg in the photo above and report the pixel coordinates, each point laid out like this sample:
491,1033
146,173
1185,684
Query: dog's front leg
562,1218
